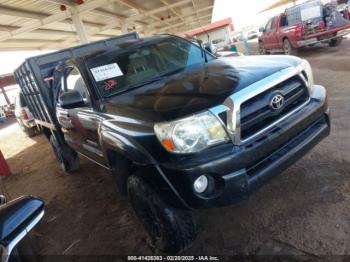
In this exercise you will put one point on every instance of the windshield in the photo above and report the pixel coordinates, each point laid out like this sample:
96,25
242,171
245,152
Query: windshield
140,64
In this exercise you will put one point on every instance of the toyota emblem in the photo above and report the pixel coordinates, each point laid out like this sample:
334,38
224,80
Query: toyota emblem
277,102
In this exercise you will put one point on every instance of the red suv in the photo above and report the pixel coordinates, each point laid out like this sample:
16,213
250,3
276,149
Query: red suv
303,25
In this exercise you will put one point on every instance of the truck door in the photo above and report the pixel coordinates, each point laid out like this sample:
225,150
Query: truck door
80,123
268,34
274,32
271,33
282,30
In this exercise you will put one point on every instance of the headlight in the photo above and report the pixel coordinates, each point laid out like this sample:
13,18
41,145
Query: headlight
308,71
191,134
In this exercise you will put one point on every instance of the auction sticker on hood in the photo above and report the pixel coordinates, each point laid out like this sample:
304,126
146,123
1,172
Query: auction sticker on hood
104,72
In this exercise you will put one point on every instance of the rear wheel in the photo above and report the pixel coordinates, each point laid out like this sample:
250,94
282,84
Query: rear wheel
171,230
288,49
335,42
66,156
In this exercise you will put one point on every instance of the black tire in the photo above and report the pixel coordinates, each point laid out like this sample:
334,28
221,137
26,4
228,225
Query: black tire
121,169
335,42
67,157
171,230
262,49
30,131
288,49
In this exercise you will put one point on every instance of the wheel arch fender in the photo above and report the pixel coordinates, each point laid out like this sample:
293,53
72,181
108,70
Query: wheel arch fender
284,37
123,155
111,141
292,43
137,158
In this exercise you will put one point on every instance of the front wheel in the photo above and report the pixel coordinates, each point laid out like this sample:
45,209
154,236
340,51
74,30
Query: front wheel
171,230
262,49
288,49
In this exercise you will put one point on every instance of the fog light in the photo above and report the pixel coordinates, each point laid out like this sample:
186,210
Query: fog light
201,184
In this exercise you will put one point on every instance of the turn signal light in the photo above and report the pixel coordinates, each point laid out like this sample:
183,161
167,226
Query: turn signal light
168,144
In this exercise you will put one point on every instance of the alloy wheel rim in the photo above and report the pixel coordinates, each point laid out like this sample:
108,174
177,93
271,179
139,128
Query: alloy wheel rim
286,48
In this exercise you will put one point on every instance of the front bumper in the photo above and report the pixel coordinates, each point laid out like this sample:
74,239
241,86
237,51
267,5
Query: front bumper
235,172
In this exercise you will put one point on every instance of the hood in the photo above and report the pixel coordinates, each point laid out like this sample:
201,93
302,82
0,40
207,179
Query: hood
195,89
254,68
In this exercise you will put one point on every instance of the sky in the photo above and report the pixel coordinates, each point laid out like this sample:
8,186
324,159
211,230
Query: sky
244,12
11,60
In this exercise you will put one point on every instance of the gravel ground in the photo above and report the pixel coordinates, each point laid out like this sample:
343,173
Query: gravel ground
304,211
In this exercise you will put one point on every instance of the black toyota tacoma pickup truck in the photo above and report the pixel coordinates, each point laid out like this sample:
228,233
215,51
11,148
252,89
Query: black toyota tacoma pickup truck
178,128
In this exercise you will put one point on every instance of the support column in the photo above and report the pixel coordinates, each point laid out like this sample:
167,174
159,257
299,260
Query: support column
79,27
5,95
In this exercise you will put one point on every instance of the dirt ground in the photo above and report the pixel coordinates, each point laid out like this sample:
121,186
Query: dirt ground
304,211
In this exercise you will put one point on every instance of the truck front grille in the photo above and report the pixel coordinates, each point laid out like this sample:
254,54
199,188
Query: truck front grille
257,114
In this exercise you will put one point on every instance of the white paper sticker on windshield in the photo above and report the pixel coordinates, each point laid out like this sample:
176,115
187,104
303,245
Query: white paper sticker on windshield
104,72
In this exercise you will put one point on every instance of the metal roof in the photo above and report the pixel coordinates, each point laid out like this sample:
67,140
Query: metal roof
51,24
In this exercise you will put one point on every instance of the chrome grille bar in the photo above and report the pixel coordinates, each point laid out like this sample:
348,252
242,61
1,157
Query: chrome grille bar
232,104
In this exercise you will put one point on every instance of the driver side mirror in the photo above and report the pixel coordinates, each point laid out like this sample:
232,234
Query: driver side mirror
17,218
71,99
262,29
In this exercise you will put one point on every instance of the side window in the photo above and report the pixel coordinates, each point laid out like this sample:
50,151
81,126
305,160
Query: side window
195,55
273,23
75,82
283,21
268,25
